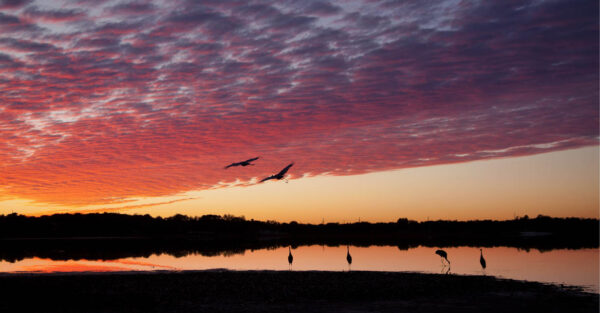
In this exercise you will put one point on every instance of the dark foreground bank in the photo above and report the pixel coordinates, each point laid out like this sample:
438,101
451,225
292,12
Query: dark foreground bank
273,291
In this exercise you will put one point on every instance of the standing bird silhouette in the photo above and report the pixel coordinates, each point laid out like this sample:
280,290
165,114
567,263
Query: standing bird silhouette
481,259
443,254
279,175
348,257
290,257
243,163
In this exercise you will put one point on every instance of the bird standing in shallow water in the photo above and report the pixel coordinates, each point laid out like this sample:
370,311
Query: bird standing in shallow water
481,259
290,257
348,257
443,254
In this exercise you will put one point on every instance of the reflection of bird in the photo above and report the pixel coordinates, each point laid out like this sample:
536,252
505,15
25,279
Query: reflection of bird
243,163
481,259
348,257
290,257
279,175
442,254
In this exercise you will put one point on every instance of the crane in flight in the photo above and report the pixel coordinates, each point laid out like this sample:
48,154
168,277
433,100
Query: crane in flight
243,163
279,175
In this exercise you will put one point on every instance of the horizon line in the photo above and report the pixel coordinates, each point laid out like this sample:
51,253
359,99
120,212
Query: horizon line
242,217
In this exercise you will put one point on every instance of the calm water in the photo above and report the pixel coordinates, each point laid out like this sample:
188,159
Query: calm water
573,267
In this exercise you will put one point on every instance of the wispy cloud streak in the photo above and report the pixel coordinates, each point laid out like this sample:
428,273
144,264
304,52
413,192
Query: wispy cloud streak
111,209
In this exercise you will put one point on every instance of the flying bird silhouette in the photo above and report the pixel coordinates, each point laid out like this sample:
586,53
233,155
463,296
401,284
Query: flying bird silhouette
243,163
279,175
443,254
481,259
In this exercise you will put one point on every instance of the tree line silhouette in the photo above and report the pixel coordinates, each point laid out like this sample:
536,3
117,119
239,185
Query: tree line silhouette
112,235
210,226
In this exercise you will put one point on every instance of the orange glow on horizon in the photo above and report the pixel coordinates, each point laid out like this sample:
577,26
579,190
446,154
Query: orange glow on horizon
558,184
71,266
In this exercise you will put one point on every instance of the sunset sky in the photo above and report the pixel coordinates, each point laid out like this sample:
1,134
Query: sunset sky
388,109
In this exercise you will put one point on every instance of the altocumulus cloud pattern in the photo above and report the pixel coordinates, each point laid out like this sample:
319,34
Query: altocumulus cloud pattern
105,100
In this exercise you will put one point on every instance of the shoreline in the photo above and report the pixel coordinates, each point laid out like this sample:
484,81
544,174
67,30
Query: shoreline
221,290
580,288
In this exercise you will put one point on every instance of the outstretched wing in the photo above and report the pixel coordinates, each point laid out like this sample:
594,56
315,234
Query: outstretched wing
283,171
232,164
241,163
267,178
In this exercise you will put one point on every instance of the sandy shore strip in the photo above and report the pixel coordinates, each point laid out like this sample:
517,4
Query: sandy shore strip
283,291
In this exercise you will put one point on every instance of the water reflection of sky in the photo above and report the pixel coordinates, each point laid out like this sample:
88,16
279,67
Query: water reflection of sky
573,267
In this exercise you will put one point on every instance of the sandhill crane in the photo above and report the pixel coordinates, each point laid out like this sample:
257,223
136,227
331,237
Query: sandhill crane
290,257
348,257
481,259
443,254
243,163
279,175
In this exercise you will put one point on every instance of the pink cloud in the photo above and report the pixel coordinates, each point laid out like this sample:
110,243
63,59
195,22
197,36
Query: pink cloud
154,100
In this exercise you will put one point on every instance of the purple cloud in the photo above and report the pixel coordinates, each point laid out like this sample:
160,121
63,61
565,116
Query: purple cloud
143,99
13,4
58,15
